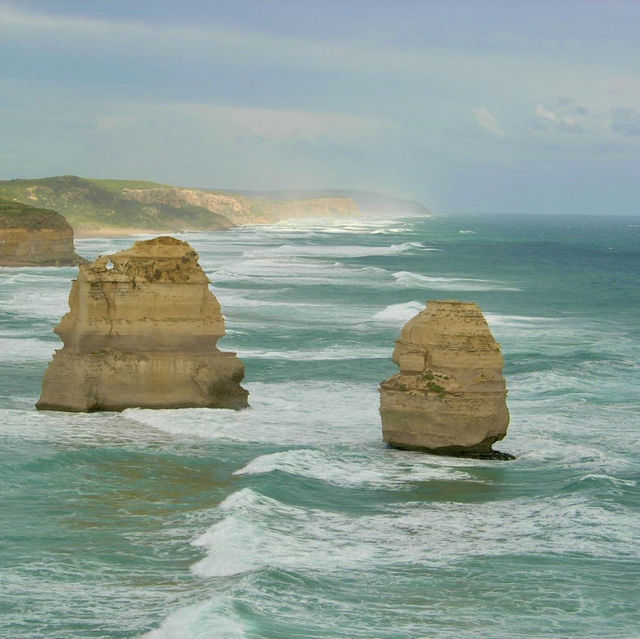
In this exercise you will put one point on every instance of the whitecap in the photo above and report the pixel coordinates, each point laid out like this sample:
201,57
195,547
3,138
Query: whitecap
396,313
280,413
375,467
216,618
15,349
255,531
408,279
334,251
360,226
296,271
518,321
332,353
47,275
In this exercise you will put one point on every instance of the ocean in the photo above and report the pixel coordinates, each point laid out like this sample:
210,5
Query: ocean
292,519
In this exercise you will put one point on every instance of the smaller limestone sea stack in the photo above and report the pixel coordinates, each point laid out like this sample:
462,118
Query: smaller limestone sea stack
34,237
449,397
141,332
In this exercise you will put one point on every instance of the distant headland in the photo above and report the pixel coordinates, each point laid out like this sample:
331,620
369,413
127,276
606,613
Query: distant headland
96,206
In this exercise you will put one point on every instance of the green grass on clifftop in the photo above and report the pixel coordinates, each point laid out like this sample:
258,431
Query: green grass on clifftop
117,186
102,204
97,204
15,215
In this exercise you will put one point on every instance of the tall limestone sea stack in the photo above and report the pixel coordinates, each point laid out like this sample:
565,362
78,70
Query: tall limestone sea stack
450,396
141,332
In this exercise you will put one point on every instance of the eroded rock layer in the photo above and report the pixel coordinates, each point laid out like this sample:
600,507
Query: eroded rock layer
450,395
142,331
34,237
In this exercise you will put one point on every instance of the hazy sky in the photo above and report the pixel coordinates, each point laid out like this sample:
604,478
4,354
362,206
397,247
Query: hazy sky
515,106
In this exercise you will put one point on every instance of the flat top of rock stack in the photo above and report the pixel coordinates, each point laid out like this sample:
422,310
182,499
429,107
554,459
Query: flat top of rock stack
454,334
451,318
161,259
151,297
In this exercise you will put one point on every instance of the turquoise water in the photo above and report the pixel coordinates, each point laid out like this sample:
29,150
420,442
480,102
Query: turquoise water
292,519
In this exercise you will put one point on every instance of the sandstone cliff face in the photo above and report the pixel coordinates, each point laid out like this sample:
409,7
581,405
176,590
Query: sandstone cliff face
312,207
34,237
245,210
235,208
142,331
449,396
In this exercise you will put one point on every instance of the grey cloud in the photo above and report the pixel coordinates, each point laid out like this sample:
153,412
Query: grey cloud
625,121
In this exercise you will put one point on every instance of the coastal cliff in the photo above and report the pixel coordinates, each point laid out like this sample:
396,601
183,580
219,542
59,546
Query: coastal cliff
141,332
241,209
450,395
100,205
31,236
96,206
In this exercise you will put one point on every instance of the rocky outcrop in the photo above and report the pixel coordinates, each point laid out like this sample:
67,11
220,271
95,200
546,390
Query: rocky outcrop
34,237
142,331
449,396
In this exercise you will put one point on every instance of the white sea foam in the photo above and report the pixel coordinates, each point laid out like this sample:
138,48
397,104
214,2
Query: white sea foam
375,467
333,353
360,226
13,349
212,619
396,313
294,271
16,276
256,531
568,337
38,302
518,321
280,413
262,305
362,229
334,251
24,424
252,298
408,279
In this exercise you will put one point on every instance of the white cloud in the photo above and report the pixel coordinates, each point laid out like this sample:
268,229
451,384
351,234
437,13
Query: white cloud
571,121
546,114
487,121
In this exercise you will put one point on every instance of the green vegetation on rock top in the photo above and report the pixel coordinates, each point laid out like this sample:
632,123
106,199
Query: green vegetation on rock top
15,215
102,204
117,186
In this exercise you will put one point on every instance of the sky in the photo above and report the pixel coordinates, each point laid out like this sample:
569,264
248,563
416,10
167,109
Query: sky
521,106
